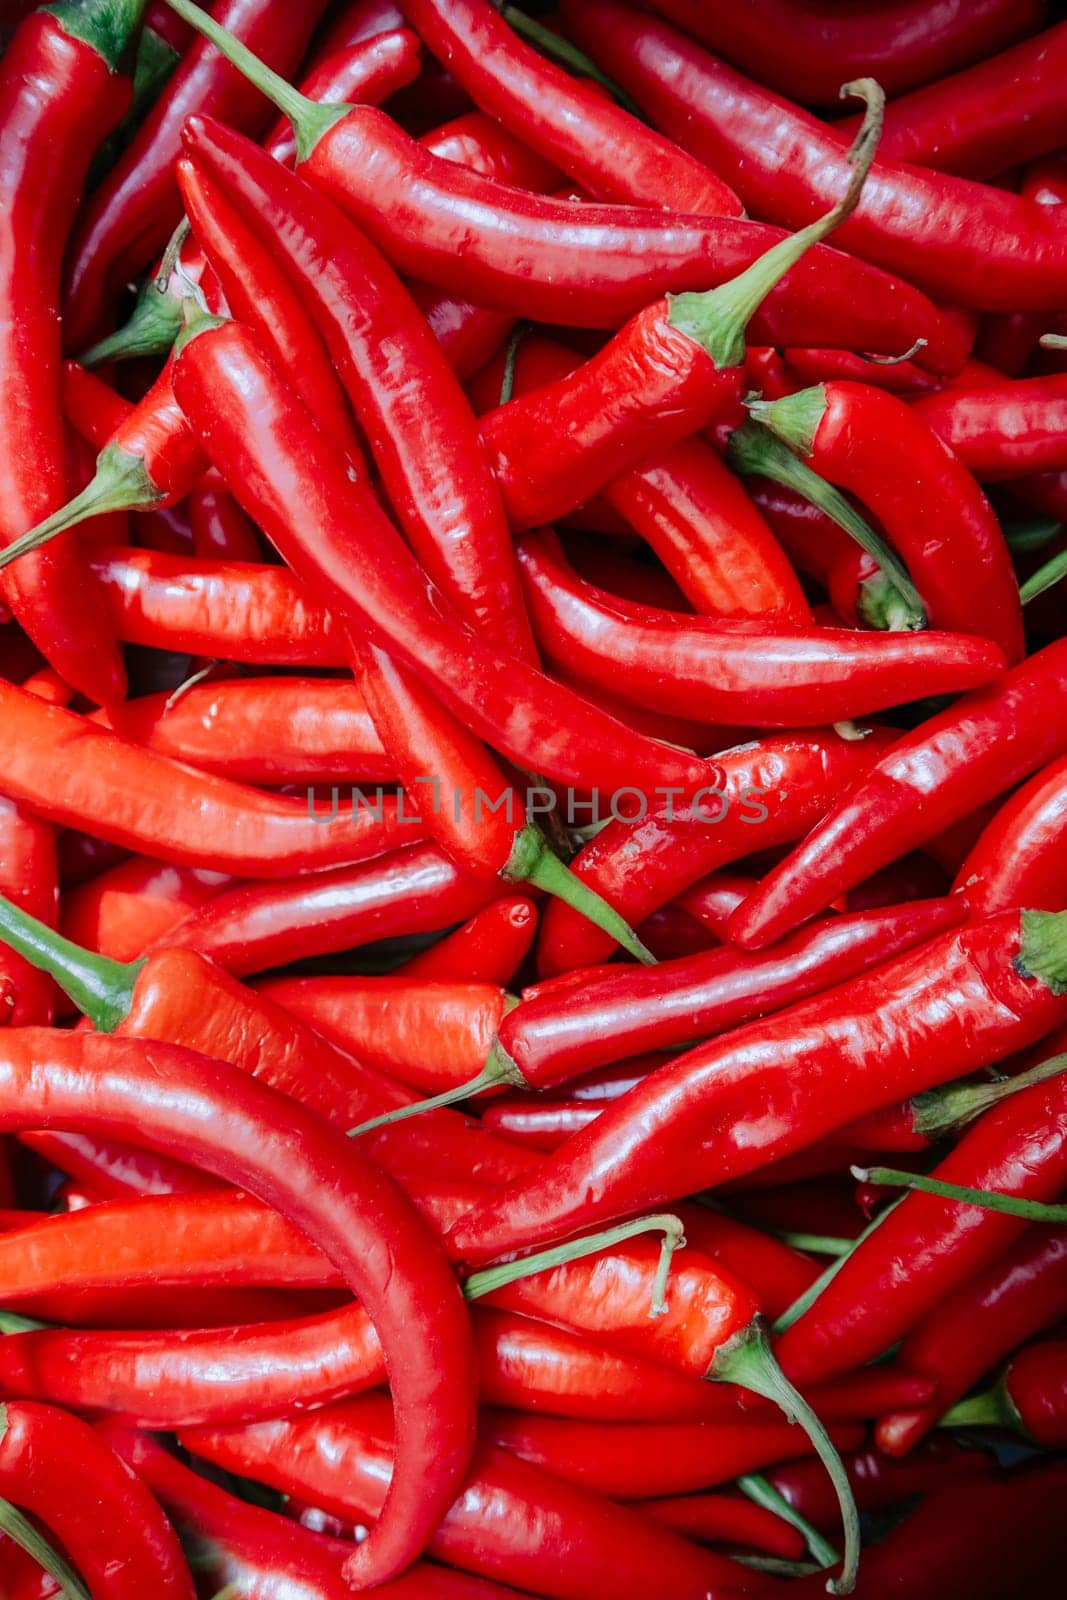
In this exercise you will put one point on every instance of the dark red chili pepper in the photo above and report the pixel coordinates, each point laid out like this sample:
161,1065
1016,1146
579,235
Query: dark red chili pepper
139,1554
123,909
980,247
60,92
728,1519
365,70
220,530
808,50
879,1481
1019,858
512,1519
596,142
132,213
741,672
1018,1148
690,1125
823,366
1011,430
775,790
186,1105
490,948
975,750
872,444
69,771
1021,1294
1030,1397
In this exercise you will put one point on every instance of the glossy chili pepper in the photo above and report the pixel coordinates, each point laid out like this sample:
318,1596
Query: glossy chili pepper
808,50
1002,432
112,1170
1031,1397
28,875
975,750
922,1121
132,213
241,1131
728,1519
984,248
490,948
220,530
512,1520
298,489
1017,1148
1018,860
94,1491
783,676
593,267
880,1481
596,142
775,790
123,909
1021,1294
60,92
366,71
822,366
996,114
689,1125
72,772
907,478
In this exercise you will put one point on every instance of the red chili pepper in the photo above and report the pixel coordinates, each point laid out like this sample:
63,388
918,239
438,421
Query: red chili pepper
823,366
131,214
250,1135
775,790
60,93
116,1171
1018,860
61,1471
981,247
781,676
475,140
27,875
1030,1397
220,530
72,772
1018,1148
922,1121
728,1519
512,1519
123,909
1021,1294
1002,432
808,50
364,70
993,115
975,750
690,1125
490,948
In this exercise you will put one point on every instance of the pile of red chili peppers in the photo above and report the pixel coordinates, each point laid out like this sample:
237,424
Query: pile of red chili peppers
533,799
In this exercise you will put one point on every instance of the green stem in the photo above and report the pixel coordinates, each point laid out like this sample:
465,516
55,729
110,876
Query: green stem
499,1071
493,1278
120,483
754,449
805,1301
531,861
22,1531
507,381
747,1359
1045,577
946,1110
101,988
1043,948
150,330
718,319
11,1322
155,63
762,1492
562,50
990,1409
110,27
310,120
819,1244
1009,1205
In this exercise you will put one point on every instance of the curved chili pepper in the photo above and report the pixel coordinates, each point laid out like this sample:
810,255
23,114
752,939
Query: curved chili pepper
366,71
490,948
1018,860
599,144
872,444
728,1519
879,1481
775,790
219,528
111,1170
139,1554
595,267
808,50
297,487
60,92
1030,1397
996,114
184,1104
784,676
124,908
1004,431
930,778
1022,1293
512,1519
132,213
690,1124
149,803
1018,1148
475,140
984,248
28,875
918,1123
822,366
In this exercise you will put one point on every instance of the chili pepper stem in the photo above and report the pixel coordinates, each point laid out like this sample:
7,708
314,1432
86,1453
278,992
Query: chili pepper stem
109,26
120,483
1009,1205
25,1535
491,1279
992,1408
747,1359
718,319
1043,948
557,48
763,1493
805,1301
310,120
156,319
1045,577
11,1322
819,1244
499,1070
532,861
795,418
100,987
945,1110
